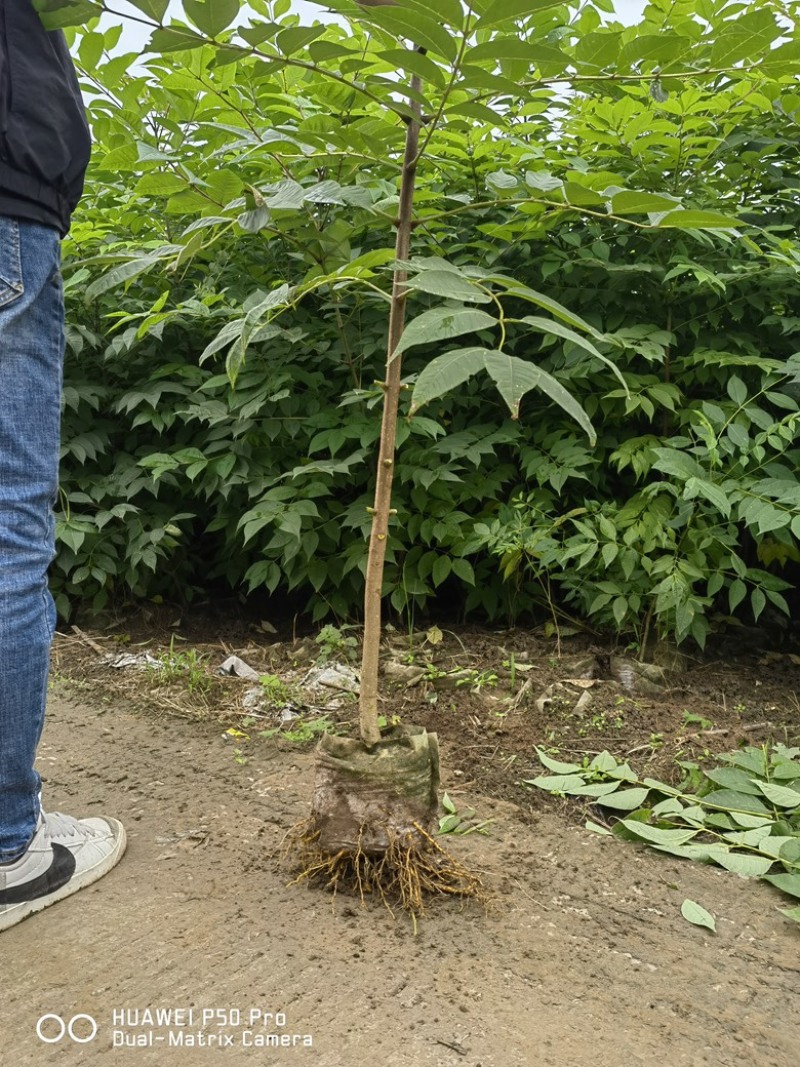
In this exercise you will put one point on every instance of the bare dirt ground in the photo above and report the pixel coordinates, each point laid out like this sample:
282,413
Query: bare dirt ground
582,958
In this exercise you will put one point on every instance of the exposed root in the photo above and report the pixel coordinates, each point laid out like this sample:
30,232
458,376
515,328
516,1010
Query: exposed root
413,867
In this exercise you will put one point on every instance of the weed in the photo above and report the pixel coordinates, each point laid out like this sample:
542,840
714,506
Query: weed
276,692
511,666
478,680
187,667
301,731
333,644
690,719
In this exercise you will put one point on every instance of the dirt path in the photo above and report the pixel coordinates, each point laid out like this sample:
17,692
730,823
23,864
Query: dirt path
585,958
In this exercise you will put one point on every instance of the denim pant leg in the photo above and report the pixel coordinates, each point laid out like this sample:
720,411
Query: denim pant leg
31,358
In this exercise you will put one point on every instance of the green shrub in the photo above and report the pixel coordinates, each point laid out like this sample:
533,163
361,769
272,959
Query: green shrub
227,278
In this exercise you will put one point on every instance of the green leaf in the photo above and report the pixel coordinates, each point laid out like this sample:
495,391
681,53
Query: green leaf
156,9
295,38
656,835
790,913
523,292
697,915
448,284
748,866
502,10
515,377
787,883
746,37
462,569
123,273
212,16
697,220
441,570
57,15
712,493
445,373
443,323
670,806
411,60
603,762
598,49
678,464
448,805
749,822
596,828
558,330
772,845
412,25
558,783
751,839
778,794
758,602
737,591
448,823
730,800
737,390
174,40
556,765
626,799
737,779
596,789
790,853
629,202
750,759
658,48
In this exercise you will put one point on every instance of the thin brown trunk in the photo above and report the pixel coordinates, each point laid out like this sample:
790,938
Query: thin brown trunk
368,708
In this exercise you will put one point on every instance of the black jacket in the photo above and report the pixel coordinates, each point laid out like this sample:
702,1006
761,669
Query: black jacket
44,135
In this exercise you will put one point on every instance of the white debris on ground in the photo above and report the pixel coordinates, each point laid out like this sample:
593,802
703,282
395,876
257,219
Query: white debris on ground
236,667
333,676
141,660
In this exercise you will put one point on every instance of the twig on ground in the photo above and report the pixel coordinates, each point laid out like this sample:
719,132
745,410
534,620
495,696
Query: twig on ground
88,640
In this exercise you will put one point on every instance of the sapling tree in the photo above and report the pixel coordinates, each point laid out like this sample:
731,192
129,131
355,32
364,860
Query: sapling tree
427,93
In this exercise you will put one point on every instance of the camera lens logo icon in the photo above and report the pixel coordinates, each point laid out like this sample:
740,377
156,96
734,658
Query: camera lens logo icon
80,1028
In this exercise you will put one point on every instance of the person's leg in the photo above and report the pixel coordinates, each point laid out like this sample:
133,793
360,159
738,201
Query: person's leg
43,858
31,350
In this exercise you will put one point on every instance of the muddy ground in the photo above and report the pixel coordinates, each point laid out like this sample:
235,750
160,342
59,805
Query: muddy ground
582,958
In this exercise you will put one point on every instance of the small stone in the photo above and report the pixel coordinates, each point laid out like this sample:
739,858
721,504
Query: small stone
408,673
334,676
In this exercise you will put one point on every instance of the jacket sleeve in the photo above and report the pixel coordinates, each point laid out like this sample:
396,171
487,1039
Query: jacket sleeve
44,134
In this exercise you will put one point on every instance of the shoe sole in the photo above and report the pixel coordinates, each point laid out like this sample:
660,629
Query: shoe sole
15,913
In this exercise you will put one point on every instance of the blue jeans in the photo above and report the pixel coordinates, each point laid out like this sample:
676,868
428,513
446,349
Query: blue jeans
31,360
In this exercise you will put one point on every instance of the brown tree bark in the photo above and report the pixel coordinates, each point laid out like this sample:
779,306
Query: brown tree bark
368,707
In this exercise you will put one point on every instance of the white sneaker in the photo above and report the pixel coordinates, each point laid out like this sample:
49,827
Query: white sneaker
65,855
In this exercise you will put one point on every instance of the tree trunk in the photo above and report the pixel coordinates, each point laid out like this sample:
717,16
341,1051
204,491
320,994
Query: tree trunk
368,708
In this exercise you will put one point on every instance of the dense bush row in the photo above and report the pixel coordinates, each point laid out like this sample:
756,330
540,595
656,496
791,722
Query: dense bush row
221,429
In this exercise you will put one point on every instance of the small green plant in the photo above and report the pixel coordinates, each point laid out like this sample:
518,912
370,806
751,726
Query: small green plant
185,666
600,721
460,822
690,719
334,644
276,692
433,673
510,665
478,680
387,722
301,731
